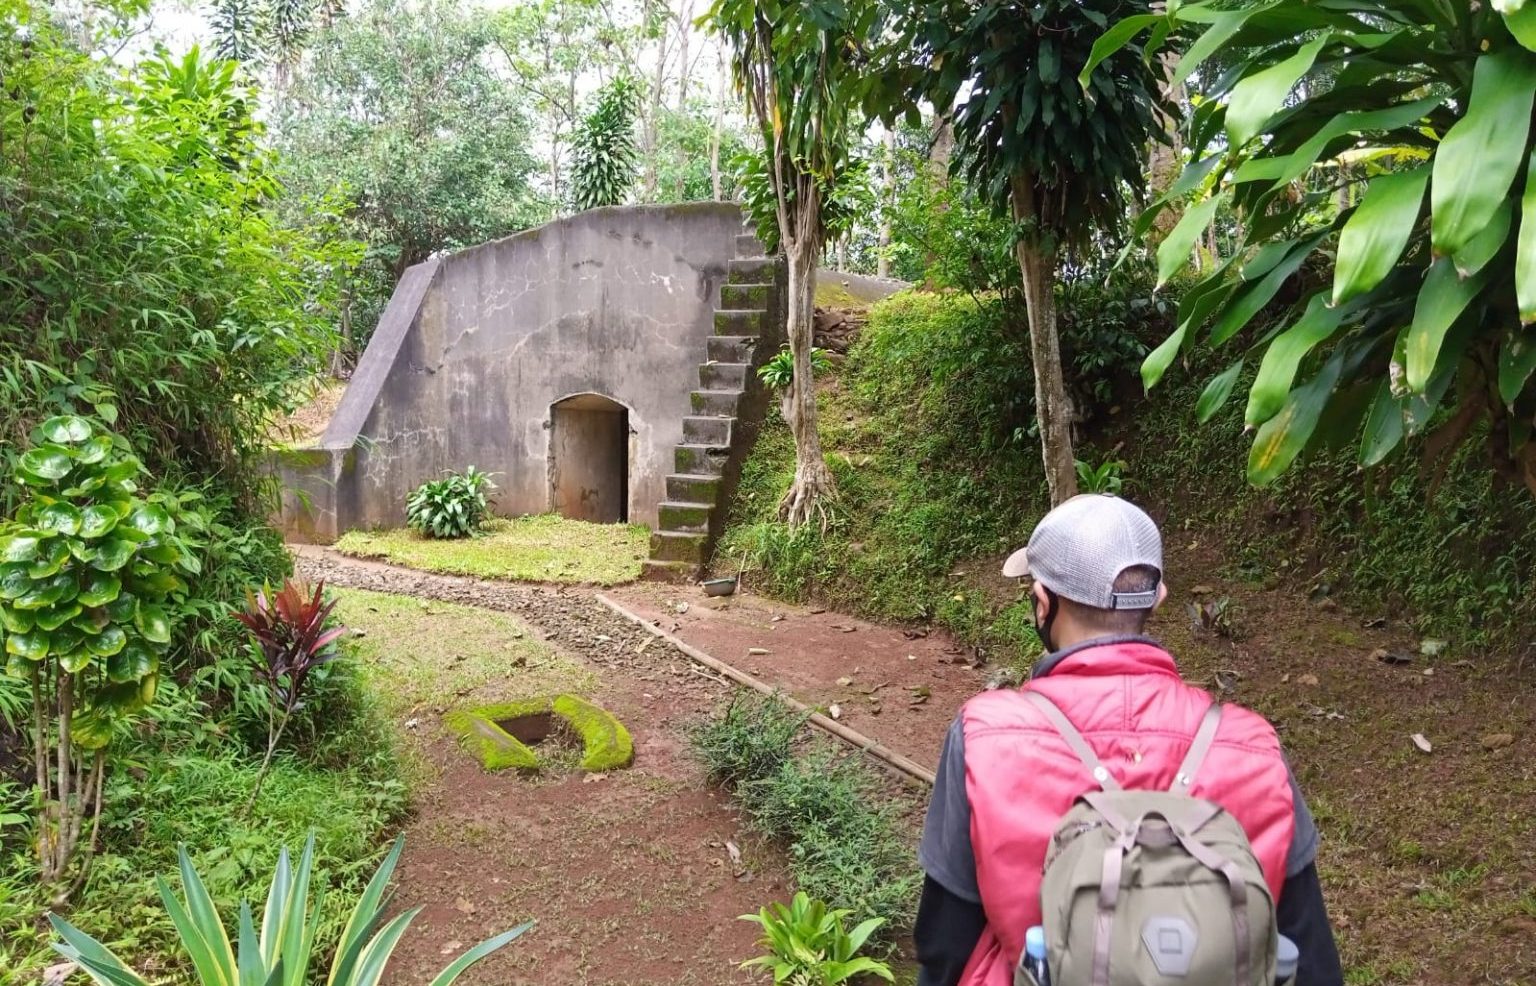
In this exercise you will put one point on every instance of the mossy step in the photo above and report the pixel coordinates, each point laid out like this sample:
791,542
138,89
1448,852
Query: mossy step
693,489
723,376
752,270
707,430
605,743
688,518
701,460
678,546
731,349
740,295
715,403
740,321
748,245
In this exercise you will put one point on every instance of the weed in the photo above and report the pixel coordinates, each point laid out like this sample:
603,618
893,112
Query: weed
809,945
751,740
1219,616
1106,477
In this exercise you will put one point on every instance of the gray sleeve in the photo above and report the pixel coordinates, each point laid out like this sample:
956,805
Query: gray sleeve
1304,838
945,852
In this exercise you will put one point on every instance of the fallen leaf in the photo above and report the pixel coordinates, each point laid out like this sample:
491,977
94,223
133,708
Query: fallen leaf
835,711
1497,741
1374,624
57,975
412,723
1307,679
735,852
463,906
843,628
1422,743
593,778
845,681
645,643
1201,590
816,610
452,947
1388,657
776,618
680,608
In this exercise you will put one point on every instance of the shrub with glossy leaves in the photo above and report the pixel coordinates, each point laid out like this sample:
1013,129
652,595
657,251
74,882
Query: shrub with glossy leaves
451,507
809,945
779,372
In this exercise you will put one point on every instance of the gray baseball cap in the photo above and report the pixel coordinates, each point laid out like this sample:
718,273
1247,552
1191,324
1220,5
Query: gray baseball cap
1080,548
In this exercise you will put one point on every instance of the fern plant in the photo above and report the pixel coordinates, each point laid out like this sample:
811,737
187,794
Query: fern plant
808,944
779,372
452,507
281,951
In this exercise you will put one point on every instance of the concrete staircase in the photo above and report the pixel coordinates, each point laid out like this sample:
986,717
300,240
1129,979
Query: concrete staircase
727,411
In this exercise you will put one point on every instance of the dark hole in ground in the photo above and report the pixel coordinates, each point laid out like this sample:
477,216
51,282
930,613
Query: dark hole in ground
541,729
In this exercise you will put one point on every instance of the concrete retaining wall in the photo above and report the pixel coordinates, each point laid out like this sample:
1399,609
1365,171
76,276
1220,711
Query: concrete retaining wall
475,347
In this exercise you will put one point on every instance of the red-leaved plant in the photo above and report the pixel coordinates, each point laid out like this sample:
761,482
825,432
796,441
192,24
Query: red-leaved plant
292,640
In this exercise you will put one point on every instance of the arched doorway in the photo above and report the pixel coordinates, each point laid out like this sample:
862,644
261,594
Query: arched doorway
589,459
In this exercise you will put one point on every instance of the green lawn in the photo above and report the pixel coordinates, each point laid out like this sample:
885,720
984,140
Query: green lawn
543,548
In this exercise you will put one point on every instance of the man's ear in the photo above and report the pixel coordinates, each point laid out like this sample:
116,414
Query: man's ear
1042,600
1162,594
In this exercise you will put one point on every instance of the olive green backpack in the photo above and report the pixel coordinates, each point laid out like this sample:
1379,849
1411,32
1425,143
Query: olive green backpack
1152,888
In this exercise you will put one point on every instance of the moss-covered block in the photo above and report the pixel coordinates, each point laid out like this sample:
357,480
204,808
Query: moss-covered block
605,743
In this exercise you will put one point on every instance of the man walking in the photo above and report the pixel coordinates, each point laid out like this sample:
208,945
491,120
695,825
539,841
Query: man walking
1008,775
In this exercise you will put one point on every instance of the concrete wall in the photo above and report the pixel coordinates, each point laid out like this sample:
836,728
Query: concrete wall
476,346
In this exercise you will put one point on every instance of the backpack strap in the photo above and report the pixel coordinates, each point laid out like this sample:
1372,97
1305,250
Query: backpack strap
1073,738
1204,737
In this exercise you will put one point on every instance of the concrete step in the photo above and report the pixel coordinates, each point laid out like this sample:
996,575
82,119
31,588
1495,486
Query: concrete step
748,245
686,518
744,295
707,430
678,546
715,403
731,349
752,270
668,571
739,321
723,376
701,460
693,489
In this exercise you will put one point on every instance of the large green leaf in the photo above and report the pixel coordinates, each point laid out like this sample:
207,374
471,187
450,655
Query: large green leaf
1517,360
52,555
19,548
1249,301
1277,371
47,592
90,729
1442,299
111,640
1256,98
97,521
1159,359
46,462
59,516
457,968
1378,232
54,617
1118,36
1480,155
98,588
94,450
1175,250
1281,170
1223,24
113,554
150,519
1486,245
14,581
104,968
1283,436
1216,393
65,429
133,662
1525,250
17,620
1521,21
153,624
32,646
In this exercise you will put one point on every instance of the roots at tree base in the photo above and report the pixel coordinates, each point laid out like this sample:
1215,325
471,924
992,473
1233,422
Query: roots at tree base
808,497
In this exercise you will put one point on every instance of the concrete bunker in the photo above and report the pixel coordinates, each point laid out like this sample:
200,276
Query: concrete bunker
589,459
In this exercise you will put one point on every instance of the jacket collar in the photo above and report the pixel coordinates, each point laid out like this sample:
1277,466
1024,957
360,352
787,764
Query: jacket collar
1108,655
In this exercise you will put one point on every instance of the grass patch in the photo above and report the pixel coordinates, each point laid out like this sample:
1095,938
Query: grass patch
605,743
831,293
419,653
846,839
540,548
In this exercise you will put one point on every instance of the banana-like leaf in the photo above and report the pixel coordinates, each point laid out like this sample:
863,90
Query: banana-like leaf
1175,250
1217,391
1248,302
457,968
1486,245
1517,360
1256,98
1159,359
1525,248
1520,18
1375,236
1118,36
1283,437
1281,171
1480,155
1442,299
1383,426
104,968
1223,24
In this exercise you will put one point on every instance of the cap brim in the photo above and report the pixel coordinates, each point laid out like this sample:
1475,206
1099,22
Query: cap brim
1017,565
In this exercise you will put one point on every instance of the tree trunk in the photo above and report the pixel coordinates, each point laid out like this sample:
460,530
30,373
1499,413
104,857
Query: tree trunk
842,257
714,137
1166,160
887,202
1053,408
813,480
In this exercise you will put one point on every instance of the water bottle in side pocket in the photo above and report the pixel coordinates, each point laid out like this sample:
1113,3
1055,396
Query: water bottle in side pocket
1032,969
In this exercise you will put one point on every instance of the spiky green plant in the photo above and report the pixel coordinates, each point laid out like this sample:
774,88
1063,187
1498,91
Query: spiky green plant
282,950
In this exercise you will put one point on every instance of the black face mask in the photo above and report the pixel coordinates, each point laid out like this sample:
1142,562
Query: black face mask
1043,628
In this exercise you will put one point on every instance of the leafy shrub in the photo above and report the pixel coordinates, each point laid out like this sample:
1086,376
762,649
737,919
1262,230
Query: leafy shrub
808,944
87,568
846,197
604,160
292,640
284,950
779,372
750,740
451,507
1106,477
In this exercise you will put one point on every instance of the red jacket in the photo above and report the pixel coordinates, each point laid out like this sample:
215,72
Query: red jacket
1130,704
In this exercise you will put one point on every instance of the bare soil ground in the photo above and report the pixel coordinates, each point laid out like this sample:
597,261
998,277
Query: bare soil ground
1429,858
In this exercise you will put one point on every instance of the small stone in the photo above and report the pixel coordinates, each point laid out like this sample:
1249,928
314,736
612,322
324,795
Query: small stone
1422,743
1327,605
1201,590
835,711
1388,657
845,681
463,906
451,947
1307,679
1497,741
757,651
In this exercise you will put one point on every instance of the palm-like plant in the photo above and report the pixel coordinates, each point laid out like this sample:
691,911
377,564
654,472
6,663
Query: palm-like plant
281,951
